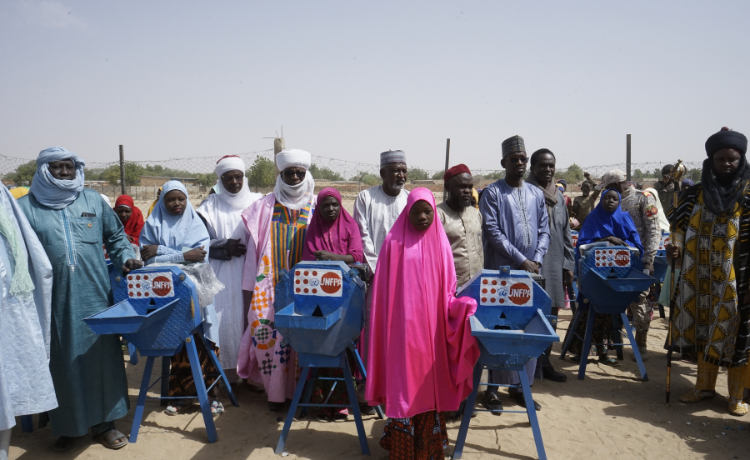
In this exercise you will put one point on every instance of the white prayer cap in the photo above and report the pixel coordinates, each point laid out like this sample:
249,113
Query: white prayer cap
392,156
229,163
293,158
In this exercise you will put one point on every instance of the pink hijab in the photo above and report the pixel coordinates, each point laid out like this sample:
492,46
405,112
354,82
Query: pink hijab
339,237
421,351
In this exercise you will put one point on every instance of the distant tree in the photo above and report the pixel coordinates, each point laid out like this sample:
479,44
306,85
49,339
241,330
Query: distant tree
418,174
572,175
206,180
324,173
496,175
93,173
438,175
262,173
366,178
133,173
23,174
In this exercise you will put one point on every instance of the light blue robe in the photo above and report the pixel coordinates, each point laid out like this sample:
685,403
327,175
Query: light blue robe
88,370
515,229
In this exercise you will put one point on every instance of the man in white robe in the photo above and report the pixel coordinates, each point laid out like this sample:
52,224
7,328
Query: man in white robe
375,211
25,313
222,213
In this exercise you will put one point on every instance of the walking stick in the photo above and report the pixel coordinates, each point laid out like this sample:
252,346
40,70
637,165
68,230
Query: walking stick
678,170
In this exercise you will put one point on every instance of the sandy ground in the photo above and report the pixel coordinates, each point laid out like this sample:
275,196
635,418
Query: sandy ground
609,414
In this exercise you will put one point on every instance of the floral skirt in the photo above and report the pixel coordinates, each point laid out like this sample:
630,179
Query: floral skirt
422,437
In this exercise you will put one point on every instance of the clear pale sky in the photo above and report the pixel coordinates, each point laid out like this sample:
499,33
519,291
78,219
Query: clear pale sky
350,79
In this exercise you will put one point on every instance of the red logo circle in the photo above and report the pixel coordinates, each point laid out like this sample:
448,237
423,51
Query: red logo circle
622,258
330,283
161,286
519,294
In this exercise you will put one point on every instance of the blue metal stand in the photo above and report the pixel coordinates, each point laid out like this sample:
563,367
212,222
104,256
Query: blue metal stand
530,410
587,341
310,365
200,385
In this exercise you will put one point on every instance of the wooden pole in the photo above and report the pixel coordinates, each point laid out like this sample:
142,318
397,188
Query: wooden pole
627,159
447,161
278,146
122,170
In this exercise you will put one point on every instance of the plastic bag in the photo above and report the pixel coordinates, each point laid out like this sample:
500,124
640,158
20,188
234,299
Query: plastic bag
206,282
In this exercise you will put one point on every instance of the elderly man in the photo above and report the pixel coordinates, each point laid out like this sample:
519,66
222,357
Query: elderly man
222,213
665,188
642,209
375,211
462,223
558,262
25,312
516,234
276,226
87,369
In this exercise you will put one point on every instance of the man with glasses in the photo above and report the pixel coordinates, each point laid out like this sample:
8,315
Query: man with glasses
276,226
375,211
516,234
221,213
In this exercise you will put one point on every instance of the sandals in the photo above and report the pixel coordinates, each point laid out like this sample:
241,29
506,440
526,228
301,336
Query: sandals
64,444
180,405
217,408
737,407
607,361
341,415
108,438
695,395
493,404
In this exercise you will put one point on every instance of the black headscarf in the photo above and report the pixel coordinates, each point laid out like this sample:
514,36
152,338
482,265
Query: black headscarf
718,198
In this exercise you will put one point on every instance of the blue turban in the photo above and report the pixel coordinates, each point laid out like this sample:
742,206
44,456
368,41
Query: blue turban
56,193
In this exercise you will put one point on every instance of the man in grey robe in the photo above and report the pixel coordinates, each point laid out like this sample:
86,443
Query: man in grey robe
516,234
25,313
558,263
375,211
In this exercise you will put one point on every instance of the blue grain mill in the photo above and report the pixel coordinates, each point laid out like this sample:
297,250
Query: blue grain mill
512,326
610,278
158,312
319,311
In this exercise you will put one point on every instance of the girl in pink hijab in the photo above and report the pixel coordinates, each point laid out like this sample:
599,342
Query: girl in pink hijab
332,235
422,353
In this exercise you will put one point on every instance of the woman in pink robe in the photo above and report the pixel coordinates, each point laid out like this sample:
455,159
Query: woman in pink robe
422,353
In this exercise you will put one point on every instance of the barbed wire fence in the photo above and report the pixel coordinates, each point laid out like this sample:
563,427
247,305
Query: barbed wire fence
143,178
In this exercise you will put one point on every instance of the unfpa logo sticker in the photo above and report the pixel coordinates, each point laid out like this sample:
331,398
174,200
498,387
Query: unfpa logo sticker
614,258
322,283
505,291
150,284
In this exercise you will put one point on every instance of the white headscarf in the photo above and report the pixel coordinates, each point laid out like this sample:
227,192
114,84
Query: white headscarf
222,209
294,196
663,222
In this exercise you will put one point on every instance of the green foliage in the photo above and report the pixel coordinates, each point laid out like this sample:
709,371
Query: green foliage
366,178
324,173
497,175
262,173
133,173
206,180
438,175
693,174
418,174
572,175
23,174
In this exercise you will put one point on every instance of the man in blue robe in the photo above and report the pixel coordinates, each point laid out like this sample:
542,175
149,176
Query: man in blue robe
88,370
516,234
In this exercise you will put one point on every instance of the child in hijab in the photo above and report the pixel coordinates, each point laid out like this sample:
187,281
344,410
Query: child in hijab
131,218
175,233
332,235
421,351
607,222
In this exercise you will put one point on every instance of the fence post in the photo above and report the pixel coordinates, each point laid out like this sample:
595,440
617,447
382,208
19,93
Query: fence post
447,156
122,170
278,146
627,158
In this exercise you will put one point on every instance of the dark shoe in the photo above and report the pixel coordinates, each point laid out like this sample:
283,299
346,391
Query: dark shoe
366,409
474,413
493,403
275,406
550,373
518,397
64,443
